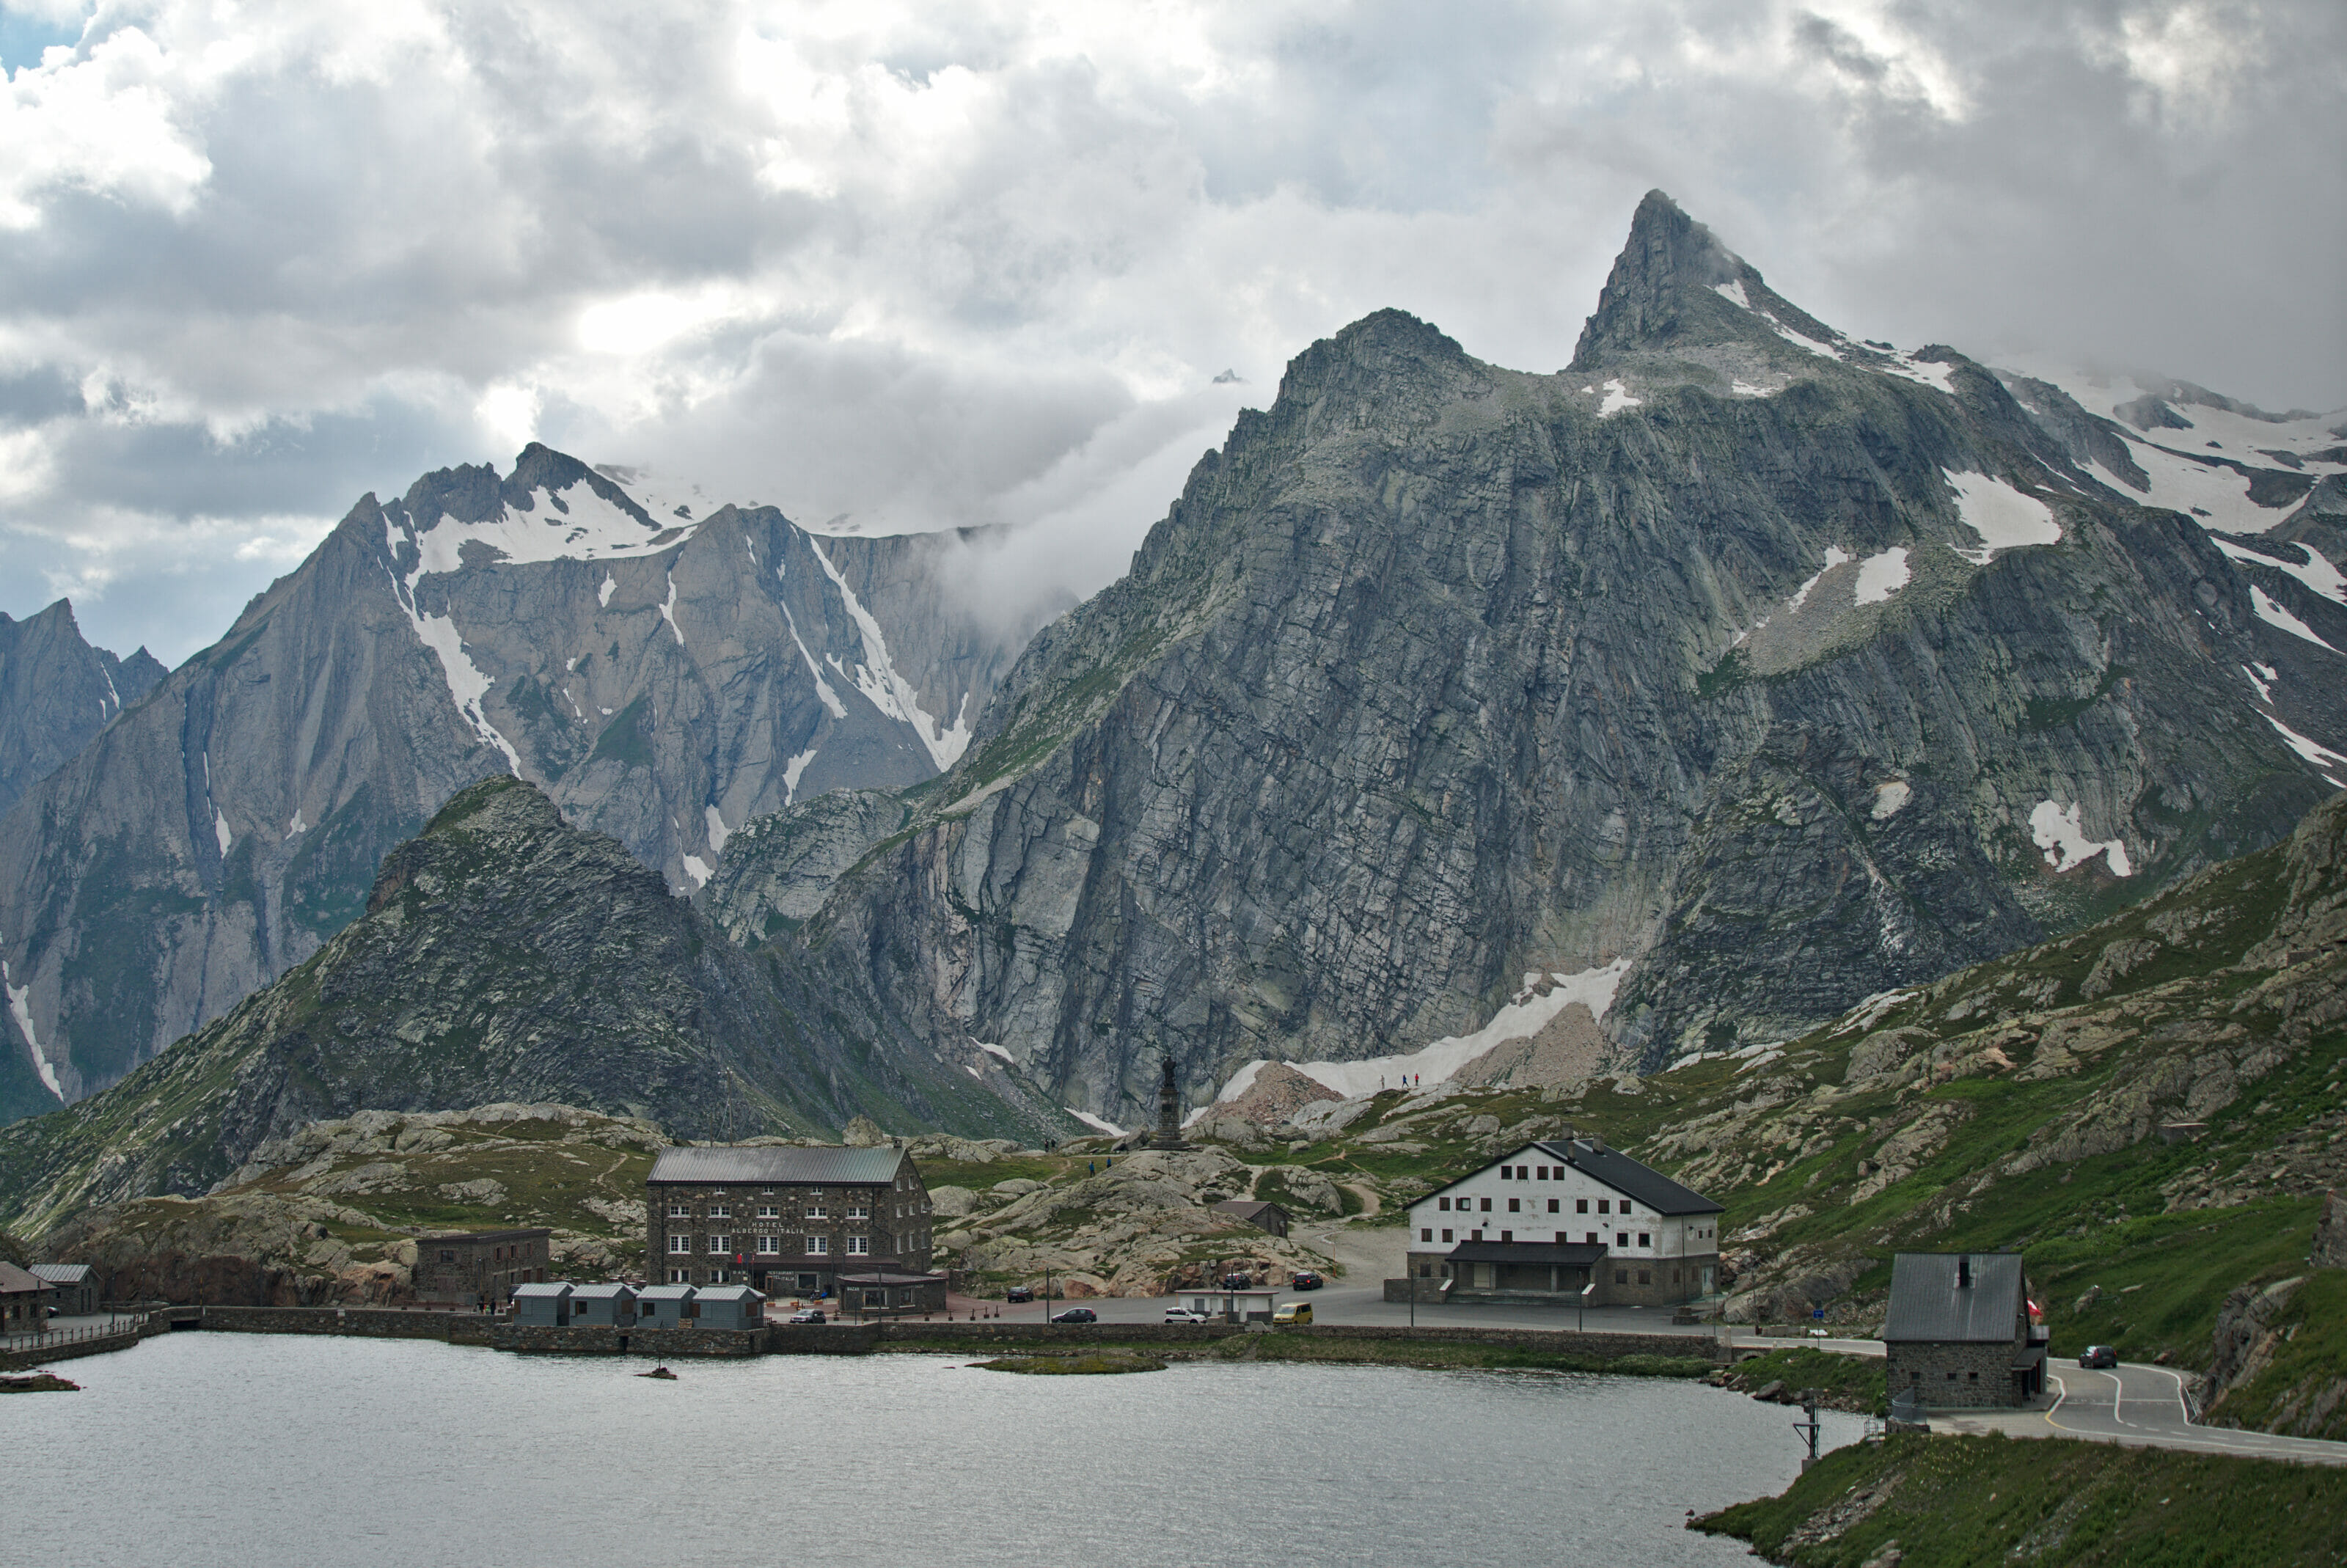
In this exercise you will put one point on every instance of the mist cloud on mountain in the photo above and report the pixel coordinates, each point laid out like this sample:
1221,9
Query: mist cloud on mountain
911,268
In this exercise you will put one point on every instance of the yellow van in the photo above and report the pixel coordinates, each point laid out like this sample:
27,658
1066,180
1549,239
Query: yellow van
1294,1312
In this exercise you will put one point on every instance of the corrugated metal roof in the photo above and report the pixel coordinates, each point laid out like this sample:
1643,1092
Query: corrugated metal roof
728,1292
822,1167
601,1292
62,1273
1927,1305
667,1293
1571,1254
552,1287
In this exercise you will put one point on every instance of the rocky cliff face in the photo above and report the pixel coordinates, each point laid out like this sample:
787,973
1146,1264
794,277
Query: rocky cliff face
505,956
1791,667
665,677
55,692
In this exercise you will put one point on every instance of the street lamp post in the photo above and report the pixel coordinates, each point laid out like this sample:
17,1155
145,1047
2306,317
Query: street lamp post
1580,1306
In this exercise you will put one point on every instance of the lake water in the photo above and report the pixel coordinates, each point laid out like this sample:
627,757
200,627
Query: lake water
258,1450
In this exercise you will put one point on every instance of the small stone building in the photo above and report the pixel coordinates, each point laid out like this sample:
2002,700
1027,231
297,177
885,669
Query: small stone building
73,1288
24,1301
784,1221
1959,1333
1543,1222
1267,1217
479,1268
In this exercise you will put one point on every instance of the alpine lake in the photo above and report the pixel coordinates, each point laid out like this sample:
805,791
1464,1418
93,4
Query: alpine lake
261,1450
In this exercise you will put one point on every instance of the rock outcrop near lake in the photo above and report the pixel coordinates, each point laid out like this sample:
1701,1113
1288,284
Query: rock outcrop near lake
1790,667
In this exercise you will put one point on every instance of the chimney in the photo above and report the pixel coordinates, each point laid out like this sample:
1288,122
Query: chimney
1964,1271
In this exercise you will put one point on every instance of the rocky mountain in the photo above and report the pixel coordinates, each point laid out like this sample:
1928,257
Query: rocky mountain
1776,667
504,955
666,675
55,692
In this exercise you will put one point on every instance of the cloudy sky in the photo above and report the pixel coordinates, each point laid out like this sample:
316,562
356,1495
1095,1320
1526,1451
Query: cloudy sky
918,266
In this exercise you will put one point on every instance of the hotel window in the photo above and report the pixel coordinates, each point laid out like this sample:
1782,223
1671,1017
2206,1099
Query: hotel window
1581,1205
1507,1235
1487,1205
680,1211
1446,1236
769,1212
718,1243
720,1212
769,1245
814,1212
818,1245
1505,1172
680,1243
1426,1234
1645,1238
1475,1235
1515,1206
859,1211
1442,1204
680,1277
1620,1238
1524,1173
1589,1238
1605,1205
859,1246
1551,1206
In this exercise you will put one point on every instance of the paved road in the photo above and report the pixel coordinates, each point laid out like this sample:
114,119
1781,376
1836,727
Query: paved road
2137,1406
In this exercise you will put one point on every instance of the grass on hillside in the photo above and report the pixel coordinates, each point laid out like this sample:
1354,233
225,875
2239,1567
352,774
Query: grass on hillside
1950,1502
1847,1382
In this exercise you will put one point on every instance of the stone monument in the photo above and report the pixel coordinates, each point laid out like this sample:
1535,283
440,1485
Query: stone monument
1169,1112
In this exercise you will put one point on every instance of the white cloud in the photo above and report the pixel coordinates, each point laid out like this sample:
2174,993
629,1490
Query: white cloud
925,267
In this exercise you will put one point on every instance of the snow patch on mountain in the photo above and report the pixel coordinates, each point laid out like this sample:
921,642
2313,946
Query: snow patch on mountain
1835,556
885,690
718,831
2316,572
2274,614
2003,517
2058,831
20,1008
1593,988
1617,398
837,709
2326,761
1881,576
696,871
220,831
592,527
1733,293
668,611
603,595
793,768
1097,1123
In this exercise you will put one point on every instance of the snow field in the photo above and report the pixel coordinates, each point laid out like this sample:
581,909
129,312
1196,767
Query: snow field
2001,516
20,1008
2056,830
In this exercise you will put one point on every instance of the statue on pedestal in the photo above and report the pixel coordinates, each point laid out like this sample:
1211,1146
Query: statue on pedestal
1169,1112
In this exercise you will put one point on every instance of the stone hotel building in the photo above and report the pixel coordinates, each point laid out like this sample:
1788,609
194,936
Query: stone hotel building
785,1221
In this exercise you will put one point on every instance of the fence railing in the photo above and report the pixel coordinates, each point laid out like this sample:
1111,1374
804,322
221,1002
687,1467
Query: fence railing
50,1338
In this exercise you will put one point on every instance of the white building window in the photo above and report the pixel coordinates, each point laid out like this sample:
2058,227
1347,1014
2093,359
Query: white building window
1426,1235
720,1212
680,1211
719,1244
1446,1236
814,1212
859,1246
680,1243
818,1245
680,1277
1645,1238
859,1211
769,1245
1620,1238
769,1212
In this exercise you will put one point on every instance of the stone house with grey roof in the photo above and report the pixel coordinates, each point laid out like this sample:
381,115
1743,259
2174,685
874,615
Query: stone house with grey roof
1555,1218
786,1221
1959,1331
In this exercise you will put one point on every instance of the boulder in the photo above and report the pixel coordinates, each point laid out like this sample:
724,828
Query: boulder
953,1202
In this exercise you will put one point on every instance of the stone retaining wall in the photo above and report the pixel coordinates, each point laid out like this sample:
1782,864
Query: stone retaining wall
1554,1341
604,1339
25,1360
372,1322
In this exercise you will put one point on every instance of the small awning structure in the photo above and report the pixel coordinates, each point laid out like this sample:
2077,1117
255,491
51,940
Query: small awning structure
1550,1267
1568,1254
881,1278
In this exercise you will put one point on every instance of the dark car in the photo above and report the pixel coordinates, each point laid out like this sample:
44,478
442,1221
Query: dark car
1076,1314
1305,1279
1019,1292
2099,1356
809,1314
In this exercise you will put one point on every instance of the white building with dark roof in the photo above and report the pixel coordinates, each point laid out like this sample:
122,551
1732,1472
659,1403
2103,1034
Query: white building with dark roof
1556,1216
789,1220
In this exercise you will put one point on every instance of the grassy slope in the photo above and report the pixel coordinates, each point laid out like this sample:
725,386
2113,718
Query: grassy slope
1945,1501
2303,1389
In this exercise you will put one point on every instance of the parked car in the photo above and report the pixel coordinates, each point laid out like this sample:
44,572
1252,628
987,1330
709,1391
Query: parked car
1237,1281
1076,1314
1305,1279
1019,1292
809,1314
1187,1314
1293,1312
2099,1356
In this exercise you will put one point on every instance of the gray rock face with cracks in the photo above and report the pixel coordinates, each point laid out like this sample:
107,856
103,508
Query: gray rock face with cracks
1791,667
